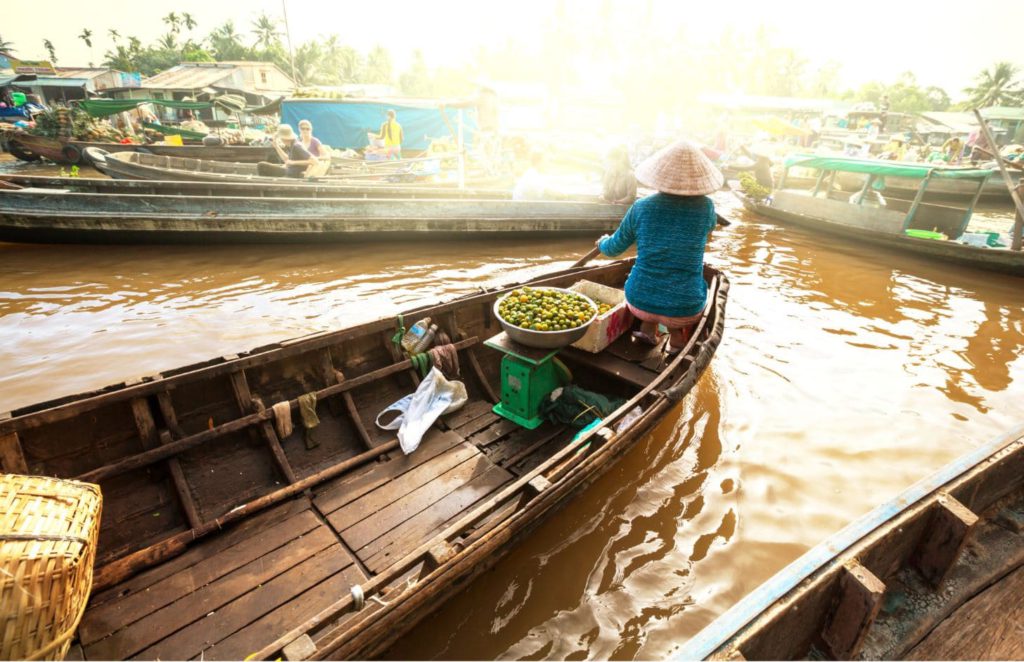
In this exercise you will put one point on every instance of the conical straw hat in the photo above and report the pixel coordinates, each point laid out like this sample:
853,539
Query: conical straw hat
680,169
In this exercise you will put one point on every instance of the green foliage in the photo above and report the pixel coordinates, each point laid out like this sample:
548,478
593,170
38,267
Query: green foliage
905,95
6,46
50,50
998,86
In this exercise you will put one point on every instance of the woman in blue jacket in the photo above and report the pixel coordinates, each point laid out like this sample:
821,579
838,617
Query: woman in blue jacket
671,229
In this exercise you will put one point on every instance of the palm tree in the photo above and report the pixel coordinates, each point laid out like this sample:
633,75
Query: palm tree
267,34
189,22
996,86
114,34
86,36
48,45
6,46
226,43
167,42
173,22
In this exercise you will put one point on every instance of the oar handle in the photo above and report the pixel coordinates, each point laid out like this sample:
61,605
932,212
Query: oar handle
594,252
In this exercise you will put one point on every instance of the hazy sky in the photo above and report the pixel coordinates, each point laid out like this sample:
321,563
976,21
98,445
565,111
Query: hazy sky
942,42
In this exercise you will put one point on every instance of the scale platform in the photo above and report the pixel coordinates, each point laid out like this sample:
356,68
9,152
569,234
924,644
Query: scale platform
528,375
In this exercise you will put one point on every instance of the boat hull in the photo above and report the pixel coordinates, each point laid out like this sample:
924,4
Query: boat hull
43,217
207,408
72,152
1005,261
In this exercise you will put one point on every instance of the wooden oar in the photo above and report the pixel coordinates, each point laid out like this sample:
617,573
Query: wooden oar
1016,240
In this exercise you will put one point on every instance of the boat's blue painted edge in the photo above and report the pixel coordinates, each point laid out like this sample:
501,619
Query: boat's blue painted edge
711,638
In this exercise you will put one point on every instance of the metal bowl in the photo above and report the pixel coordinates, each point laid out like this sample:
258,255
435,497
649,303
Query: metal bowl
546,339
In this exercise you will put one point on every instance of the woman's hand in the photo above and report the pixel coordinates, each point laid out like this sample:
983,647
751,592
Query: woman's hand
600,239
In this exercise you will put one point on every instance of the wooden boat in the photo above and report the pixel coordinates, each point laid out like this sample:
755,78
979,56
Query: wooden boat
221,539
279,188
71,152
935,574
43,216
827,210
169,168
949,190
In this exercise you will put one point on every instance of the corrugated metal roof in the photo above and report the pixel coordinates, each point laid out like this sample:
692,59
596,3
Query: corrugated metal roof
1002,113
84,72
189,77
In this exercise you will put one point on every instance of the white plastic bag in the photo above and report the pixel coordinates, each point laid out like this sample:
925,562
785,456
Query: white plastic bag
435,397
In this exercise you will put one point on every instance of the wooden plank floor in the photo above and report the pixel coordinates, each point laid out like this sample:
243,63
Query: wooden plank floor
988,627
226,596
384,516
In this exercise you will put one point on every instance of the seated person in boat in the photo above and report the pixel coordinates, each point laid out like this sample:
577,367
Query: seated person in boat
671,230
953,150
619,185
308,140
293,155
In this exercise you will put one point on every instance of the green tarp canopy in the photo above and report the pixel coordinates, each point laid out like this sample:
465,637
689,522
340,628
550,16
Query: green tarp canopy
883,168
105,107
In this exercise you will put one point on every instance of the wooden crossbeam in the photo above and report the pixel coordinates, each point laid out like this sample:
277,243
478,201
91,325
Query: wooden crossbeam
240,386
943,539
353,411
855,610
151,439
181,445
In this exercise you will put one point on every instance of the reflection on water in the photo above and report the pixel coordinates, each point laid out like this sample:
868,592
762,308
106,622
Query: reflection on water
847,373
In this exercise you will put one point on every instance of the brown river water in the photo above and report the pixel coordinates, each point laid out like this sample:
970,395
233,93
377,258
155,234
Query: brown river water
846,374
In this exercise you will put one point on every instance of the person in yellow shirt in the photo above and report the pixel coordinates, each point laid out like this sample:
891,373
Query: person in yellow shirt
391,134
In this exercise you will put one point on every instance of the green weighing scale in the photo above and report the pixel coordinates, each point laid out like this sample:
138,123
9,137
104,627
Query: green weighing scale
528,375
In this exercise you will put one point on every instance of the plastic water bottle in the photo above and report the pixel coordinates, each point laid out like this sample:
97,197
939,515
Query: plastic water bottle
415,333
425,341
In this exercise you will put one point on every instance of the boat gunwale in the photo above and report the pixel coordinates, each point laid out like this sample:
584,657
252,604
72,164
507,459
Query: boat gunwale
756,608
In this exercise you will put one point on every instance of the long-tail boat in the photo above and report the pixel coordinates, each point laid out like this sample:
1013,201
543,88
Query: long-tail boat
223,537
54,216
408,172
279,188
936,573
28,147
920,226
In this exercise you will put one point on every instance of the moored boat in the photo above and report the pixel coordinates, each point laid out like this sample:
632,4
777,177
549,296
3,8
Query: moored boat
54,216
28,147
169,168
223,537
933,574
921,226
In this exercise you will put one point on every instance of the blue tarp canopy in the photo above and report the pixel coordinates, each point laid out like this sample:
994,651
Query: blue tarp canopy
343,123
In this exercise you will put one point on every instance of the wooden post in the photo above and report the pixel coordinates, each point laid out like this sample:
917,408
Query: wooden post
1018,221
462,158
857,604
970,208
12,460
782,179
817,183
864,189
944,538
1006,178
917,200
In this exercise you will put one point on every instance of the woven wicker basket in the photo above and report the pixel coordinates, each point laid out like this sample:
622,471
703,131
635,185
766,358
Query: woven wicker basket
48,532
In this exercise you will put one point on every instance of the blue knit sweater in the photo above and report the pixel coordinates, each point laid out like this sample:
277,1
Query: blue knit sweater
670,232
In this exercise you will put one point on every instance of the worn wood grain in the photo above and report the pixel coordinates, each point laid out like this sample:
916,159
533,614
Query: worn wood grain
372,504
383,551
232,535
943,540
335,494
857,604
406,505
260,600
197,604
12,460
112,616
988,627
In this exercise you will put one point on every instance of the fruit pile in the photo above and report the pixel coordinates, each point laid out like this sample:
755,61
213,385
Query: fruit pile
545,310
602,307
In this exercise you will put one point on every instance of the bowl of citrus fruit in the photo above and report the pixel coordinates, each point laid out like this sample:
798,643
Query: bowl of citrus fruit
545,317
